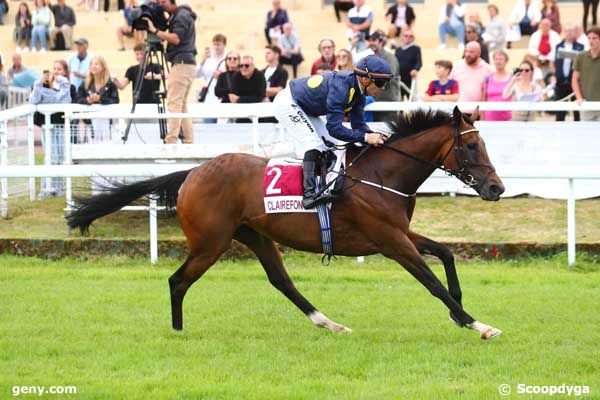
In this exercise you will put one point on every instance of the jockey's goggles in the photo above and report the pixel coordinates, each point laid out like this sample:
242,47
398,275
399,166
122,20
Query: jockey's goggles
379,79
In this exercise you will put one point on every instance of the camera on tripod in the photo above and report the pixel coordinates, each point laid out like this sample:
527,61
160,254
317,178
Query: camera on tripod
155,13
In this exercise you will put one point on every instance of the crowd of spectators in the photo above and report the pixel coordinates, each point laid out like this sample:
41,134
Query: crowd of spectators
562,58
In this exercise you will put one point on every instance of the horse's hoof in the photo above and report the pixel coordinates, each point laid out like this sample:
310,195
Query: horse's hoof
342,329
490,333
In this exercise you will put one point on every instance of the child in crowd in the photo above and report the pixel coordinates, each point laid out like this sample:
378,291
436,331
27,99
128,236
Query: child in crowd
442,89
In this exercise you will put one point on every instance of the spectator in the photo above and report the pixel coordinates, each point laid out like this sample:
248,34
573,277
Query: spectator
321,69
563,67
126,30
399,15
442,89
181,53
522,87
550,11
120,5
211,66
494,85
54,89
3,88
586,10
543,42
409,60
150,83
495,31
17,67
98,88
3,10
276,18
475,19
582,37
290,48
471,73
275,75
79,62
40,20
249,85
224,84
345,61
360,19
538,74
527,15
452,22
23,27
327,50
342,5
586,75
473,34
64,21
391,92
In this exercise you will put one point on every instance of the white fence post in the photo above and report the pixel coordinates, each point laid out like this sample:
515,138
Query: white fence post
68,160
153,232
47,182
31,153
3,163
571,223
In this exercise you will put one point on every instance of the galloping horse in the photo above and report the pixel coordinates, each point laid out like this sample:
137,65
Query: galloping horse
222,200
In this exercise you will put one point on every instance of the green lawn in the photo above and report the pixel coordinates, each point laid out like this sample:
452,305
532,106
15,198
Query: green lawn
104,326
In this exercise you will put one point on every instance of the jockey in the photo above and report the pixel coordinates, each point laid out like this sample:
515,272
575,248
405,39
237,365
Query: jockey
332,94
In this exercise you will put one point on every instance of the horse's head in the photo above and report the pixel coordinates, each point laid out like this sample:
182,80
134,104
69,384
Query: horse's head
468,158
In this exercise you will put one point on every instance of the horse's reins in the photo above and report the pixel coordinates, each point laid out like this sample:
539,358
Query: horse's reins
459,154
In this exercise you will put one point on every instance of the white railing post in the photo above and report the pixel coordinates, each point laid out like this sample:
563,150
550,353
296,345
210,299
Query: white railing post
47,149
153,232
68,159
31,153
3,163
255,135
571,223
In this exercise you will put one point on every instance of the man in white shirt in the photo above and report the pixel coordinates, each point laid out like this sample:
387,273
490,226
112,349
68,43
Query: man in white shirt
543,42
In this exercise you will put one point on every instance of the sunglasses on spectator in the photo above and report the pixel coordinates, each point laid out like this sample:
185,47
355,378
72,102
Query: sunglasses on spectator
245,65
524,70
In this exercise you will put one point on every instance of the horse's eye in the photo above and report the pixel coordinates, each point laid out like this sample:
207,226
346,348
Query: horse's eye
472,146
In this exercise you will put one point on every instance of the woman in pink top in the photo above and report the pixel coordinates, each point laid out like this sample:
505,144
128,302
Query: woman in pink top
494,86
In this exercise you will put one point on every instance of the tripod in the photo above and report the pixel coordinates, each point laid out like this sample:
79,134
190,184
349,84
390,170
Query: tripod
154,51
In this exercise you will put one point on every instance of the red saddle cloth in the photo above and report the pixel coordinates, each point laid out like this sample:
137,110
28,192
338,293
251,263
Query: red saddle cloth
282,187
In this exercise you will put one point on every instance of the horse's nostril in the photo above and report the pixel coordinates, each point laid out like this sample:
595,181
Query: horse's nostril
495,190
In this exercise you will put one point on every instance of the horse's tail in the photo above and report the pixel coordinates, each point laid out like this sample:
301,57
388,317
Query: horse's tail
88,209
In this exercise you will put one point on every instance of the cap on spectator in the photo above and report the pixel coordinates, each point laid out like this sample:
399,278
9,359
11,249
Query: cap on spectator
83,41
377,35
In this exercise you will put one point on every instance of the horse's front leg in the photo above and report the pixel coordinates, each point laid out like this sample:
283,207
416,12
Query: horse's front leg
427,246
402,250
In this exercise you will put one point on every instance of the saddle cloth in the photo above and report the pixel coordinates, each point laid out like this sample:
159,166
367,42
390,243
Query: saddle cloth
282,183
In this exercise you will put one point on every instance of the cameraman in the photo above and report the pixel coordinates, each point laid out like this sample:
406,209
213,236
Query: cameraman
181,53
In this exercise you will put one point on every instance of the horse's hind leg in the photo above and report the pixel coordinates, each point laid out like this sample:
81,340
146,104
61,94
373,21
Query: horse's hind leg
270,258
427,246
192,269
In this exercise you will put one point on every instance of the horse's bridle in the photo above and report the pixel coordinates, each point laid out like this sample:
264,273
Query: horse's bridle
460,156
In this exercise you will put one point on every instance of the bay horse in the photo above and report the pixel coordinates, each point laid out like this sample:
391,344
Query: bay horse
222,200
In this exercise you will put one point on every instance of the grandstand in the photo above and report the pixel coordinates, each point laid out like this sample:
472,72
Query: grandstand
242,21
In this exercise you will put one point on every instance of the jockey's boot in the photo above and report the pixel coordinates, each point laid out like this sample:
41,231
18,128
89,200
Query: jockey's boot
309,178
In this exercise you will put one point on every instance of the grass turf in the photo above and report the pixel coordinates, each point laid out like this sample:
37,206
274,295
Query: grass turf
104,326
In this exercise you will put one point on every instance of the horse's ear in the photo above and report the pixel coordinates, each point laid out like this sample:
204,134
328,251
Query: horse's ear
475,116
456,115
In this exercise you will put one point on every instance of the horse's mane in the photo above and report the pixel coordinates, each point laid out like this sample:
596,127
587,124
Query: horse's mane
411,123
